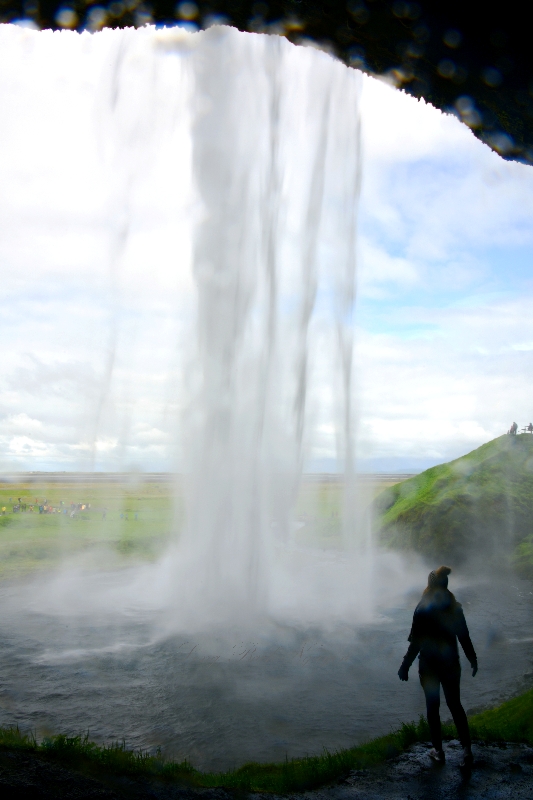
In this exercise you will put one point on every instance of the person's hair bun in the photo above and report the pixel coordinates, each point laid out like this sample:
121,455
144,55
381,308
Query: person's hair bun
439,577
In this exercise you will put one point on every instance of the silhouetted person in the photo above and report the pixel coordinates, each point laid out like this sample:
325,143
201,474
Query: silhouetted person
530,427
438,622
513,429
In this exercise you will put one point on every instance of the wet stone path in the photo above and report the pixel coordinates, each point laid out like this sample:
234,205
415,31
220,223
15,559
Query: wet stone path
499,772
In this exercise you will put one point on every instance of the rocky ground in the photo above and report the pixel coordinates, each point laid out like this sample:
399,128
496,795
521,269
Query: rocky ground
499,772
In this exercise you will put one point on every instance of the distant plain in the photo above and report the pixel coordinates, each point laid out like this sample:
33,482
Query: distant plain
130,518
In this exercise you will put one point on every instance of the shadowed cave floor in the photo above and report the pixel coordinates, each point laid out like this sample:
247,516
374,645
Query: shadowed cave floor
500,771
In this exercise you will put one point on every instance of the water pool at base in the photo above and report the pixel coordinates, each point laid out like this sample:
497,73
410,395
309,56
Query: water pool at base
225,699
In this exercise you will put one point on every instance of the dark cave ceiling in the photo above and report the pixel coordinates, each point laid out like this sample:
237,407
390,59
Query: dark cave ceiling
472,59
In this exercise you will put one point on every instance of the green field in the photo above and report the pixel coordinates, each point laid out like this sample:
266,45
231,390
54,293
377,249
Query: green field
124,522
121,522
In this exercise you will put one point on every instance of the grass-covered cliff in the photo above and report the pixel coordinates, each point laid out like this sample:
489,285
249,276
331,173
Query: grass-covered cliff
478,506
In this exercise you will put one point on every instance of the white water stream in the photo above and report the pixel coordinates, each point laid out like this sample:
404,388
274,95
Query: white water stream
275,153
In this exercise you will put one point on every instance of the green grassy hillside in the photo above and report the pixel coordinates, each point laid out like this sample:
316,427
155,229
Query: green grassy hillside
478,505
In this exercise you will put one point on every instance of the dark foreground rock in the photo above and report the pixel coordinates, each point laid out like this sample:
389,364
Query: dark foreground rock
499,771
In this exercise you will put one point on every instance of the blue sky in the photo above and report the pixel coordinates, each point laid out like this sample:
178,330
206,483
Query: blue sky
444,333
445,287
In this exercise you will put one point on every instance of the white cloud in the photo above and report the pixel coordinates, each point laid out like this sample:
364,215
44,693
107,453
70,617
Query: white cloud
524,346
21,423
398,127
431,187
25,446
441,397
376,267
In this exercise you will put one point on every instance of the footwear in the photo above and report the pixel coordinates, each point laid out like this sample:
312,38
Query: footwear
437,755
467,760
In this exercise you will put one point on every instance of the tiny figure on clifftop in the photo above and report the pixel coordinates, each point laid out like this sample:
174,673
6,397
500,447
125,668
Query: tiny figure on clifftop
513,429
530,427
438,622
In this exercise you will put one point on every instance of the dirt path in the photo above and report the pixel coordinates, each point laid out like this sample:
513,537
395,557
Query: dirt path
500,772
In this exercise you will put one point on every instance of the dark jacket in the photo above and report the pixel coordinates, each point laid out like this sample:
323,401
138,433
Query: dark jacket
438,622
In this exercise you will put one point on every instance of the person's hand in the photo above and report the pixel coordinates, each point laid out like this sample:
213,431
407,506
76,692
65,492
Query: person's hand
474,669
403,673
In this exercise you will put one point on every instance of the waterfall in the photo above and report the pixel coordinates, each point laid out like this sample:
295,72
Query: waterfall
248,149
276,168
